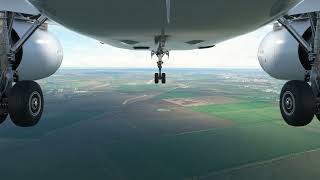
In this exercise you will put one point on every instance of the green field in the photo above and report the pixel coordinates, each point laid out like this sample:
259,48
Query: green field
258,135
175,94
95,135
245,112
200,153
137,88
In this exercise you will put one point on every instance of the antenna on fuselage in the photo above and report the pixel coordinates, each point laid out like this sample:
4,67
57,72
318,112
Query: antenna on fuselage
168,7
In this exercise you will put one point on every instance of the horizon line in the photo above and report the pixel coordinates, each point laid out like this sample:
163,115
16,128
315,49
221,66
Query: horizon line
257,68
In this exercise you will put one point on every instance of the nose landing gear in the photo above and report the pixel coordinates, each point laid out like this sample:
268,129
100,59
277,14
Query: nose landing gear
160,76
160,53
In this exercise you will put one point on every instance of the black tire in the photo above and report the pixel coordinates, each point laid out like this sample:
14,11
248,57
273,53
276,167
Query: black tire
156,78
297,103
3,117
163,78
25,103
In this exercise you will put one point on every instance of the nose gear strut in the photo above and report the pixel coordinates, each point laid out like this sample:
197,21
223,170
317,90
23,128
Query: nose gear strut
160,53
160,76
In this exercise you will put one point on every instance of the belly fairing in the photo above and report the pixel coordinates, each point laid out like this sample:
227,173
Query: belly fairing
193,24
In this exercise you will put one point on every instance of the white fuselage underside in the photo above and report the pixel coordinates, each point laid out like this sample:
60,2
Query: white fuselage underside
135,23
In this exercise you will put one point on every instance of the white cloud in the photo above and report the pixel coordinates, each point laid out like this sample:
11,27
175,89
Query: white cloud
80,51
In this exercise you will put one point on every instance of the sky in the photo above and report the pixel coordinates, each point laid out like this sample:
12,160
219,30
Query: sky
84,52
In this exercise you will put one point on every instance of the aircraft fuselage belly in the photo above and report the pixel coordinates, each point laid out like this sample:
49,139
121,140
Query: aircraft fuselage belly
187,24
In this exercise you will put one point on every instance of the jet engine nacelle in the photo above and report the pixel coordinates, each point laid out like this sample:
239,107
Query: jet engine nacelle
281,56
40,57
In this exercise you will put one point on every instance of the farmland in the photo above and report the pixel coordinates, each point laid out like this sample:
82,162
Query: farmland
203,124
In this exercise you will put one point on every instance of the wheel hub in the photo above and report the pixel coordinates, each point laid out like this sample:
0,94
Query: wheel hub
35,103
288,103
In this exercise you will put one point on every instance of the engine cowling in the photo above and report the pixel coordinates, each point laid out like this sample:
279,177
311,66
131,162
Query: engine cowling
40,57
281,56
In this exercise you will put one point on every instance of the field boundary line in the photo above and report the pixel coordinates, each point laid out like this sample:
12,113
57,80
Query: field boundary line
259,163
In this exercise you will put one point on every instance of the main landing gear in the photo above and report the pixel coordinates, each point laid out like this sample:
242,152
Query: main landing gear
297,103
300,102
22,100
